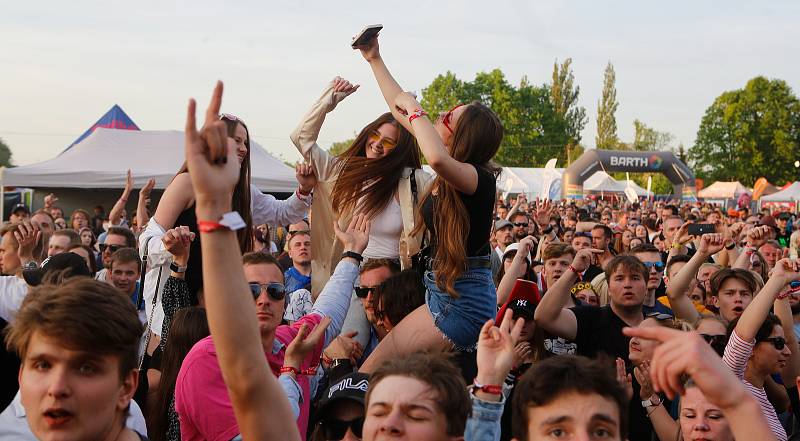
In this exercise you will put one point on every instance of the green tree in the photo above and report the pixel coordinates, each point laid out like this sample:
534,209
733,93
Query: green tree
748,133
338,147
534,132
564,98
5,155
646,138
606,110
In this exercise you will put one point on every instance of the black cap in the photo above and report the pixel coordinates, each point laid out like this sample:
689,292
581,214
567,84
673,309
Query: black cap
784,216
351,387
522,307
71,261
22,207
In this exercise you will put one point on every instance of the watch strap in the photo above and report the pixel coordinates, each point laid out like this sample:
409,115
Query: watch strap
174,267
353,255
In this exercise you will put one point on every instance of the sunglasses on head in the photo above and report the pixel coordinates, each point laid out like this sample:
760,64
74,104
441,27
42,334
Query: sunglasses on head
363,291
275,291
778,342
230,117
659,266
333,429
111,248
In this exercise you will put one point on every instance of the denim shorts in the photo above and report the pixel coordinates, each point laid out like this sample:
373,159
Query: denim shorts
461,319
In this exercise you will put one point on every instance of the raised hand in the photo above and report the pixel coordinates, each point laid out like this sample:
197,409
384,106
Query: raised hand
128,184
304,343
584,258
27,235
345,347
788,269
525,246
305,177
623,378
642,374
496,349
145,191
543,212
49,201
406,103
211,159
711,244
177,242
521,352
356,237
340,85
757,236
371,50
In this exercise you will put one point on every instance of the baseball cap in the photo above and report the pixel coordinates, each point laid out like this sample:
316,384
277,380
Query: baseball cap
515,247
22,207
502,223
60,262
522,301
351,387
784,216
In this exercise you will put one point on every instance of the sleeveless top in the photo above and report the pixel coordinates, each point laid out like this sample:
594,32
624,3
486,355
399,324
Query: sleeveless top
194,269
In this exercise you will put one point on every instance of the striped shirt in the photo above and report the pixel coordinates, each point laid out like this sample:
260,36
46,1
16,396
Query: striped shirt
737,352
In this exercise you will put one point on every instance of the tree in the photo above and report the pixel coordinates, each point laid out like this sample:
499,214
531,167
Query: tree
648,139
5,155
748,133
534,132
338,147
564,98
606,110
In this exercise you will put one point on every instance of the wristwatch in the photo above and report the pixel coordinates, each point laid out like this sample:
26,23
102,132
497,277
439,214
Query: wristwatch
177,269
653,401
32,265
353,255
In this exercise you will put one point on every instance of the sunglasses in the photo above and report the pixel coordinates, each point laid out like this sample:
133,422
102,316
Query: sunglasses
521,224
659,266
447,118
778,342
111,248
363,291
230,117
660,316
275,291
386,143
333,429
717,342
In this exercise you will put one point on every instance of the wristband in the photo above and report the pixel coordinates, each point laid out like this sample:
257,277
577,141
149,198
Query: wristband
491,389
290,370
676,245
230,221
416,114
353,255
302,195
731,246
174,267
783,295
577,273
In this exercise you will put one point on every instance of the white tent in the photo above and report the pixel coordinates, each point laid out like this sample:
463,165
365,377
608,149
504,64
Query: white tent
789,194
723,190
603,182
103,158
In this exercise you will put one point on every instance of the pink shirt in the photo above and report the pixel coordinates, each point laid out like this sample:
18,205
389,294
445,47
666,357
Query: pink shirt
201,398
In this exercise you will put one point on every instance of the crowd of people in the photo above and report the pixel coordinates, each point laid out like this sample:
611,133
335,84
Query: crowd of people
382,302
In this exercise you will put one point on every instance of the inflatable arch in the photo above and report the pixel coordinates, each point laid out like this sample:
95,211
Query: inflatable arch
591,161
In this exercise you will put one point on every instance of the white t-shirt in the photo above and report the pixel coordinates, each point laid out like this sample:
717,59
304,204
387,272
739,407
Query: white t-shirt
13,290
384,233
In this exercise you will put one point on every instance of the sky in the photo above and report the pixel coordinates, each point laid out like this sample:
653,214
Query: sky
64,64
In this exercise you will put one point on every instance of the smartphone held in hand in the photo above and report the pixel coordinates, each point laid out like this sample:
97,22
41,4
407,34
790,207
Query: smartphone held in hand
366,34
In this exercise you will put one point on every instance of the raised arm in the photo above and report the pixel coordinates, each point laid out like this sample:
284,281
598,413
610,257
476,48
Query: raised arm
386,82
268,210
115,216
753,316
676,291
142,217
254,392
551,313
784,312
516,271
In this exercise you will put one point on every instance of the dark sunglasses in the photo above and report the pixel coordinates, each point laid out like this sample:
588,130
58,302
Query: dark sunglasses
111,248
717,342
275,291
660,316
659,266
778,342
333,429
363,291
521,224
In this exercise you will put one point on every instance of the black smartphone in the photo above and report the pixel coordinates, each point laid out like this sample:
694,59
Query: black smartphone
700,229
366,34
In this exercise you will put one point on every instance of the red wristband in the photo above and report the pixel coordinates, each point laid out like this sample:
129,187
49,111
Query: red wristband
417,113
210,226
577,273
491,389
290,370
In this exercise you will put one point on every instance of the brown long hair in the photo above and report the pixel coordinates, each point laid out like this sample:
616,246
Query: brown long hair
241,193
475,140
189,325
373,182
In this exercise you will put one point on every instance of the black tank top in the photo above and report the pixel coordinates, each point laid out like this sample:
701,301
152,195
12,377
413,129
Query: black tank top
194,270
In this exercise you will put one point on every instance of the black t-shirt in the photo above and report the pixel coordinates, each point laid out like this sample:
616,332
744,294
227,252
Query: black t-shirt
600,333
479,205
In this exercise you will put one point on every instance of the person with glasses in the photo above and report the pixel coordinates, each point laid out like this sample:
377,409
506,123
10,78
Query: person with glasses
379,174
757,346
115,239
651,258
521,223
177,208
340,412
201,392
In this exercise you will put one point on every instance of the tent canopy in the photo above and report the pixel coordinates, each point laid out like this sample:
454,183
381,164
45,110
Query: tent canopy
603,182
115,118
103,158
789,194
723,190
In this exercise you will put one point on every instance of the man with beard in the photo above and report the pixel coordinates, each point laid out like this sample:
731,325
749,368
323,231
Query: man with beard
504,235
520,223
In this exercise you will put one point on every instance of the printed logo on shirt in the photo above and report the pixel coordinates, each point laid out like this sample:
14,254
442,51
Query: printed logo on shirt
348,383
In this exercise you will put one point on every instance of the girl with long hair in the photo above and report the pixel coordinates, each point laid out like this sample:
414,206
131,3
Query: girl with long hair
177,207
457,211
379,175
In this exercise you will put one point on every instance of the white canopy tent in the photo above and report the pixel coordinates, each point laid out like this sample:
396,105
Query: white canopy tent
103,158
789,194
723,190
602,182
